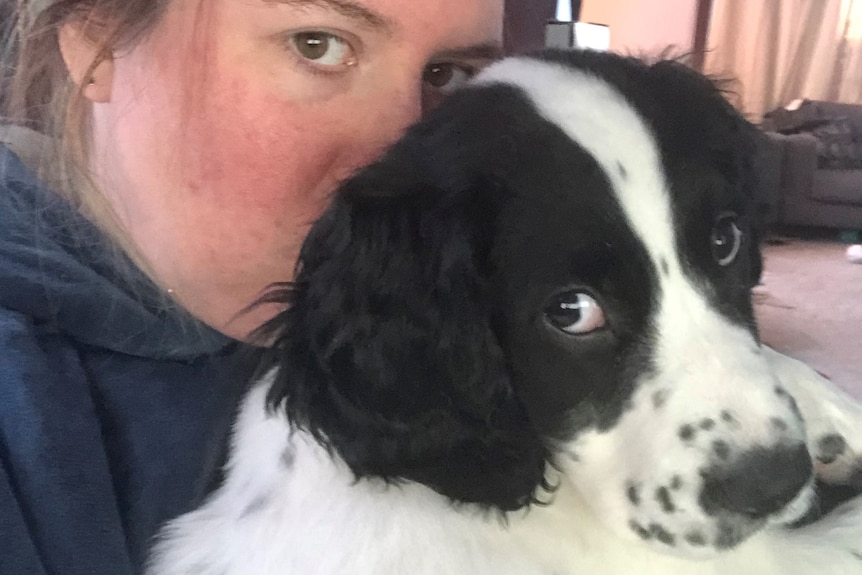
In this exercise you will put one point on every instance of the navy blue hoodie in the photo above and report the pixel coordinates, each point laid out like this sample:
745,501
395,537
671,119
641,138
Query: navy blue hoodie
114,405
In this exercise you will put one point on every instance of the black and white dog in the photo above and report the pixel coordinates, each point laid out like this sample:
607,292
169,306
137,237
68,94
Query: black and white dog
522,343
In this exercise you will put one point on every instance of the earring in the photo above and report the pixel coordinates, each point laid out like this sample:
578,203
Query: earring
91,82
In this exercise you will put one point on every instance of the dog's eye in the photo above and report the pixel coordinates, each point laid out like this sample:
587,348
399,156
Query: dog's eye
726,239
575,313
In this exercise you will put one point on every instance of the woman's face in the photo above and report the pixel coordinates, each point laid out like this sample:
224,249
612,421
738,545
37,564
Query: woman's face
230,123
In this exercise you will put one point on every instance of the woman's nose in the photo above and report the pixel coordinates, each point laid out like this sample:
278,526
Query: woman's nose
402,111
384,123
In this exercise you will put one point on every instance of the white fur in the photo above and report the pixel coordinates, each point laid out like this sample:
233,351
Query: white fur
705,364
827,410
315,520
289,507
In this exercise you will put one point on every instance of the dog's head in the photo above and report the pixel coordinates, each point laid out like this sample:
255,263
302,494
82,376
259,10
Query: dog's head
548,281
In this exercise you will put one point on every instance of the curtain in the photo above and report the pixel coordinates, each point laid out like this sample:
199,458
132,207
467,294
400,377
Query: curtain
777,51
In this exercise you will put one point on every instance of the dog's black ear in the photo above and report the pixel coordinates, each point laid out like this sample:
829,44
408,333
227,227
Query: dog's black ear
758,171
388,353
738,147
752,148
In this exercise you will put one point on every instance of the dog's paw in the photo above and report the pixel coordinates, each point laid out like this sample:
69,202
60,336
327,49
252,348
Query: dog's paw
833,421
833,426
836,447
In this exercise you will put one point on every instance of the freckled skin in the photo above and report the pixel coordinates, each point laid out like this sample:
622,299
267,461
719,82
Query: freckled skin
219,146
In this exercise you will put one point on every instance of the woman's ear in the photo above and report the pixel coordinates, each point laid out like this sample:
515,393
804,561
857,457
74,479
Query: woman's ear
90,66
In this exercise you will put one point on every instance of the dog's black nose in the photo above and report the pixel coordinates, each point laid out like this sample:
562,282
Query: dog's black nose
757,483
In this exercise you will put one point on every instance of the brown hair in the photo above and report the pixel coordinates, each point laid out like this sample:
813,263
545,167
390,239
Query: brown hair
37,92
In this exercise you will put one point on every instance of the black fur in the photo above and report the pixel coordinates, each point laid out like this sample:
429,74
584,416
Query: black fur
388,351
414,346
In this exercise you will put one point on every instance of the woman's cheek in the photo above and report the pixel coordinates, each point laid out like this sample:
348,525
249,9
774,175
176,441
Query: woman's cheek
268,154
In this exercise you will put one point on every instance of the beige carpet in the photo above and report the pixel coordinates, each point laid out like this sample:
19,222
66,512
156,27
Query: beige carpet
810,307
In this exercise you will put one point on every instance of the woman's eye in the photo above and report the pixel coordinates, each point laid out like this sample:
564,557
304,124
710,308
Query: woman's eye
726,239
323,49
445,77
575,313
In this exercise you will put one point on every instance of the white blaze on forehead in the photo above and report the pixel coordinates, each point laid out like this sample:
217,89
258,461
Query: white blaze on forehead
704,363
599,119
596,116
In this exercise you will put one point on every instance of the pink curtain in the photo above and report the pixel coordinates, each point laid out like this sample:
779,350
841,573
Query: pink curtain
781,50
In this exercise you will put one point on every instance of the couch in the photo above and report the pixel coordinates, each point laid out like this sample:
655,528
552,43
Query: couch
820,175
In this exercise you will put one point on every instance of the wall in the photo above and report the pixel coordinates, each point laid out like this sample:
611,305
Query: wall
524,29
644,26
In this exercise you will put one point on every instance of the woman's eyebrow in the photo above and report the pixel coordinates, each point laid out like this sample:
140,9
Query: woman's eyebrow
347,8
484,51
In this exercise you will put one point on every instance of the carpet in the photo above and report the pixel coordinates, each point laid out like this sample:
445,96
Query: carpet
809,306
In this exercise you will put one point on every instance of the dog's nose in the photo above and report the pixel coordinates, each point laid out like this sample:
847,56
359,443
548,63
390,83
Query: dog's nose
758,483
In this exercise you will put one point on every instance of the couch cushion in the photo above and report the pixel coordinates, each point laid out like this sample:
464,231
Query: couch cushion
836,147
811,114
802,119
837,187
852,113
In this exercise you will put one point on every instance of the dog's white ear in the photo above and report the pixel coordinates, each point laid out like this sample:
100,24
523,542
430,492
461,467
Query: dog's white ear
387,352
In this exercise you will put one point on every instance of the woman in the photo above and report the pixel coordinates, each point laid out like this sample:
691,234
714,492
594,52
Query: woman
187,144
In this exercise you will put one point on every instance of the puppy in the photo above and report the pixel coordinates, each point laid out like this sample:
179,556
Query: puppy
522,343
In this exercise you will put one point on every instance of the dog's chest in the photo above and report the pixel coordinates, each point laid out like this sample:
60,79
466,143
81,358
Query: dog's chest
287,507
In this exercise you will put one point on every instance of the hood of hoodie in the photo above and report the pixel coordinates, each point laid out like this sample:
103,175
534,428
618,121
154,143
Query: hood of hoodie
59,269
